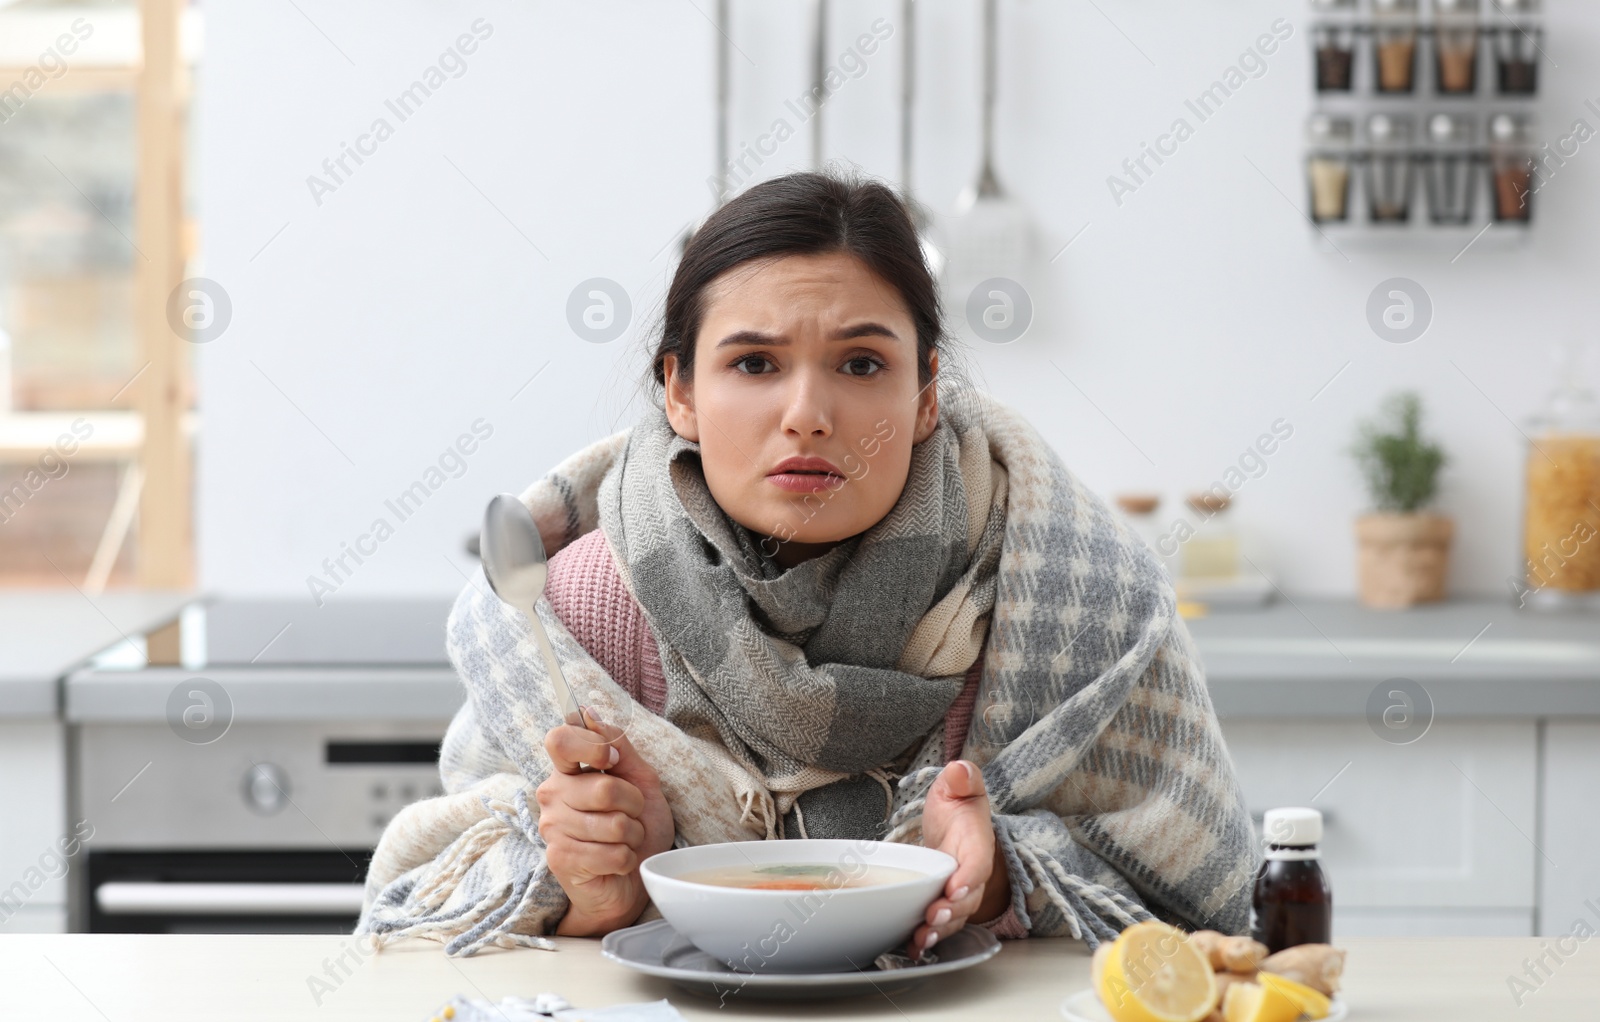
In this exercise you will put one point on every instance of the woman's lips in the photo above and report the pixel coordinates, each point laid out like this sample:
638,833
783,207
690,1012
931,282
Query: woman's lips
806,482
806,474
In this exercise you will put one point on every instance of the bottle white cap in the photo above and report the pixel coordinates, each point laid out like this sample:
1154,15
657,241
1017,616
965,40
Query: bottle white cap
1295,826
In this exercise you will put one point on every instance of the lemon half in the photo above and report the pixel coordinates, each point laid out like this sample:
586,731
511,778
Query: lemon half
1153,974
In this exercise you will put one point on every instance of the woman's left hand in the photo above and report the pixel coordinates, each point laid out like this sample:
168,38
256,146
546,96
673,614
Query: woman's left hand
956,821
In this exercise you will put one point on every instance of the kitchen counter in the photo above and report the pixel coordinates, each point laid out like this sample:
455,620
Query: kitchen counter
131,978
46,633
1310,658
288,659
1476,658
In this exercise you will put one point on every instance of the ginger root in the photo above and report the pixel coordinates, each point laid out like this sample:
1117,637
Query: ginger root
1318,966
1228,979
1231,954
1206,942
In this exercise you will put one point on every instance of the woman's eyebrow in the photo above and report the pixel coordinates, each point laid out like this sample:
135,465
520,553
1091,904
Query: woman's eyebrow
852,332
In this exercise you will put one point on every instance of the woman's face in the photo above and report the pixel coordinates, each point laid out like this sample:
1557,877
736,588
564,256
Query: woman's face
804,356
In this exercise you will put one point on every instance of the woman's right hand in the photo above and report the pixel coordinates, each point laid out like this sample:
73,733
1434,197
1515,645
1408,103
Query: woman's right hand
598,827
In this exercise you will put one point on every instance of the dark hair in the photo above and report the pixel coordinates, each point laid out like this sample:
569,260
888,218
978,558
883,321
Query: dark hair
799,214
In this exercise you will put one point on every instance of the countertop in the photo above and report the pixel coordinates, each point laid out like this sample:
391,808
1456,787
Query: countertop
1297,657
288,659
136,977
45,633
1308,657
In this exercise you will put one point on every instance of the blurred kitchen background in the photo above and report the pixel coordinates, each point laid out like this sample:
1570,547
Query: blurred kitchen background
263,266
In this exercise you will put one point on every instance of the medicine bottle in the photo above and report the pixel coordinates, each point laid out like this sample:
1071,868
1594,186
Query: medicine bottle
1293,903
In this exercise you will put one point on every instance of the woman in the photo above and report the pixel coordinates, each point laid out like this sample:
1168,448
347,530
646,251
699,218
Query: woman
818,593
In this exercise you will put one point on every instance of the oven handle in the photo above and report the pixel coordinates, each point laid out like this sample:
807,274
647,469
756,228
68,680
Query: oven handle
128,897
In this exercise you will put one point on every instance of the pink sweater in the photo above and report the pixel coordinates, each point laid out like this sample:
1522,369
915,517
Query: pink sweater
588,595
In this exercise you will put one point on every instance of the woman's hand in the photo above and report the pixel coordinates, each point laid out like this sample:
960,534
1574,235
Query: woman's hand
598,827
956,821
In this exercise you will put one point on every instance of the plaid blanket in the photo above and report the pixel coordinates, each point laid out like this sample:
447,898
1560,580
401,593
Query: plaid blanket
1113,795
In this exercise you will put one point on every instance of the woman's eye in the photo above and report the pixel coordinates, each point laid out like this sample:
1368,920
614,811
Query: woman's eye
877,366
749,358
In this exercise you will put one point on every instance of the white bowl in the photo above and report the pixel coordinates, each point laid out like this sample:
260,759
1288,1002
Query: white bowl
833,929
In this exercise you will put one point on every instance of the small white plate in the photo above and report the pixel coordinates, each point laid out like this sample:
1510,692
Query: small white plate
656,949
1085,1006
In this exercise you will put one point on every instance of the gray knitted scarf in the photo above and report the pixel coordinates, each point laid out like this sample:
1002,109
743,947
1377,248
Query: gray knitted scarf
812,688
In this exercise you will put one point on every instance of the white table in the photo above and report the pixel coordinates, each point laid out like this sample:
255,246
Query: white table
131,978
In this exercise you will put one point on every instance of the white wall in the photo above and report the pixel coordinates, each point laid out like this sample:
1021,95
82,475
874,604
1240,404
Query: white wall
381,323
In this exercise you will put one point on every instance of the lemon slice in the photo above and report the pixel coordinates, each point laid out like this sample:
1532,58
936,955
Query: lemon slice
1251,1002
1153,974
1313,1002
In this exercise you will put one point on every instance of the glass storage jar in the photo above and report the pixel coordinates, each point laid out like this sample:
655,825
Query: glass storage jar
1212,551
1389,168
1328,167
1511,167
1394,44
1561,516
1334,37
1452,169
1455,46
1518,40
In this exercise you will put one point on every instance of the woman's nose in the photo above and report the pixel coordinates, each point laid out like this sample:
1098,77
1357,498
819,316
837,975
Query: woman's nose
807,407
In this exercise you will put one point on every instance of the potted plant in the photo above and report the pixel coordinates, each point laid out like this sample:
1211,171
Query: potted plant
1403,550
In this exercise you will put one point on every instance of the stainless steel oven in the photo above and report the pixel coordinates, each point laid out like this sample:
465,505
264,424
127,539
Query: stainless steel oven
244,788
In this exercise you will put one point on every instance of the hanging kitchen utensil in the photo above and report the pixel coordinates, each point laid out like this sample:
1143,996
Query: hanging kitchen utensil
819,73
932,255
990,235
724,82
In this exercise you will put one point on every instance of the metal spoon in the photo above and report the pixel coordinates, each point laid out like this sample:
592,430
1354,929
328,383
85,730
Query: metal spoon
515,565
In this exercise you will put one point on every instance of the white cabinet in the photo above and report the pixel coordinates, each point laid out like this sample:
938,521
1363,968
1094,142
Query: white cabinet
1569,877
33,800
1431,838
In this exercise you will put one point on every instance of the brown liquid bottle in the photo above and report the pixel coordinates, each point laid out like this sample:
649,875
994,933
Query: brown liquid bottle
1293,903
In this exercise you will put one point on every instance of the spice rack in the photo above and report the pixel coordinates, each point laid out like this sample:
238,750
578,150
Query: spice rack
1423,125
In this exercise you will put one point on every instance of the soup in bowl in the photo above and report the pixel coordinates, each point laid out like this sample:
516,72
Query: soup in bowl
805,905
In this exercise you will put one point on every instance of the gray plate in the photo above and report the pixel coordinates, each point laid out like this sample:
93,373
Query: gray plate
656,949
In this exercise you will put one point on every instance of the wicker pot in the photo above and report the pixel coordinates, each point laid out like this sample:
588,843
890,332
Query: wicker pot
1403,558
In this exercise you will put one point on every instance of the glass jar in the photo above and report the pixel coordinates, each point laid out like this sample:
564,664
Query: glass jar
1452,169
1139,510
1212,551
1511,164
1518,42
1389,168
1561,517
1455,46
1328,167
1334,37
1394,44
